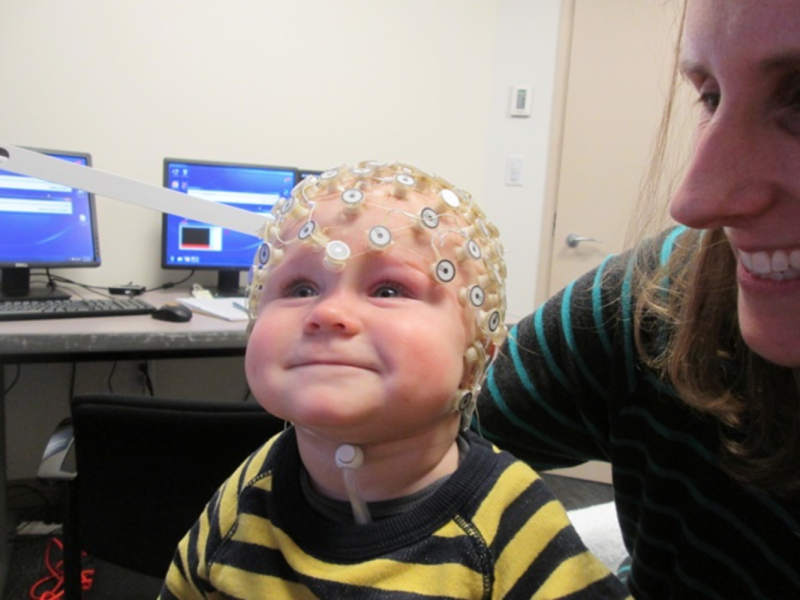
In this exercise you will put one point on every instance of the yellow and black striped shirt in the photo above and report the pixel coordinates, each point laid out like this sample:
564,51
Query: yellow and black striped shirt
491,530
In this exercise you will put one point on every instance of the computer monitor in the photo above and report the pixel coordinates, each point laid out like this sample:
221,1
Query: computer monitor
189,244
44,225
303,173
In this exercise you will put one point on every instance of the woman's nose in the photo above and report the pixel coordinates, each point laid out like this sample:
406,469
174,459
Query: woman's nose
730,174
335,313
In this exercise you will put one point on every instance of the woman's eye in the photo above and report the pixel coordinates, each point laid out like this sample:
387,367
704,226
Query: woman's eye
709,101
789,104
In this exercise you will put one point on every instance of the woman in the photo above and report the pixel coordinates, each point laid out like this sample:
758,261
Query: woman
679,362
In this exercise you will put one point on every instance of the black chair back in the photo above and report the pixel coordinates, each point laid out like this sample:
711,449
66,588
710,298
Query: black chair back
147,467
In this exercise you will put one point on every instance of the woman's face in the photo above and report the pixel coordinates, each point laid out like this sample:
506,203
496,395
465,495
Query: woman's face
743,59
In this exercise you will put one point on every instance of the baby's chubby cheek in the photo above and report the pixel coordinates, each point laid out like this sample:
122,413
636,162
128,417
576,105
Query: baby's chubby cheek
255,362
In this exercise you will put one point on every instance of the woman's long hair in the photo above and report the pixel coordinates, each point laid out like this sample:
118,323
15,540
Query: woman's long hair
756,403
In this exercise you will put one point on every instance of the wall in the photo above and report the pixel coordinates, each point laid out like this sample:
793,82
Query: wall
527,43
309,83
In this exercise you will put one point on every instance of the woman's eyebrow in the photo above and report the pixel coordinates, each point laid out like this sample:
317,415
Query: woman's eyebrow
789,60
691,68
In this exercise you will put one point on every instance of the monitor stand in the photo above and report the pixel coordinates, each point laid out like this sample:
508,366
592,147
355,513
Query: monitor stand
15,284
228,284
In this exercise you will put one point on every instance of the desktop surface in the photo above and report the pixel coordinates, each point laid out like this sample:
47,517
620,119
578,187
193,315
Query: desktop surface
49,339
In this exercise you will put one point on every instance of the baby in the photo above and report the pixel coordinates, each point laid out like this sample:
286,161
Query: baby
377,302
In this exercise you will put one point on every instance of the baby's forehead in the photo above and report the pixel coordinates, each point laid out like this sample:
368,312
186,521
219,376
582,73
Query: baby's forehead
414,226
379,208
408,258
379,197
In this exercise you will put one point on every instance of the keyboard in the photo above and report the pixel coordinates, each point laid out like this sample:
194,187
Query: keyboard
17,310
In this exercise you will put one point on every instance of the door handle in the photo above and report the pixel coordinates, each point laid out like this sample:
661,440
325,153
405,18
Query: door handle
573,240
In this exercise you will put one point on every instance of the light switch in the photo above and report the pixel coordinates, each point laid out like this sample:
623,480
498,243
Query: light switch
514,166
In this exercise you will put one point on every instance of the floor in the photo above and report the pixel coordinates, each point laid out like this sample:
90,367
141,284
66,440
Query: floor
28,564
110,581
577,493
29,500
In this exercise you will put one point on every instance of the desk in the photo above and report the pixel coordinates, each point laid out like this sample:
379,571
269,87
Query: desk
106,338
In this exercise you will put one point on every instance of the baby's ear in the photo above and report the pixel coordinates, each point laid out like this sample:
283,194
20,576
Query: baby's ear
492,350
475,360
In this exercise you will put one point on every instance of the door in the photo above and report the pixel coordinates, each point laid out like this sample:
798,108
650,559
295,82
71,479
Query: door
621,56
616,80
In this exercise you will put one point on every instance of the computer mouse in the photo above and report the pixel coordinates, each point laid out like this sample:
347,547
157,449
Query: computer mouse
172,311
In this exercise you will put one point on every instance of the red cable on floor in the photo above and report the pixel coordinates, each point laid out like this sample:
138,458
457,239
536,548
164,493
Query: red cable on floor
56,575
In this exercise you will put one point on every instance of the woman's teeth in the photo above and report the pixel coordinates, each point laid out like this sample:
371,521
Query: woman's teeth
778,265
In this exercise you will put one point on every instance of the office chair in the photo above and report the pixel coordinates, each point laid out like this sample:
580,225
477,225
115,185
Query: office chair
144,468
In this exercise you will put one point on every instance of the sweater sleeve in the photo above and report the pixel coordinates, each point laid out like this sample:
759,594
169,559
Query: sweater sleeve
551,394
187,577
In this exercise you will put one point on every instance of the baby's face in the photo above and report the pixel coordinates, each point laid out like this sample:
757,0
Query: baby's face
392,219
369,350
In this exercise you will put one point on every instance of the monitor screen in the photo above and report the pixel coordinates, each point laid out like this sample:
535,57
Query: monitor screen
303,173
44,225
189,244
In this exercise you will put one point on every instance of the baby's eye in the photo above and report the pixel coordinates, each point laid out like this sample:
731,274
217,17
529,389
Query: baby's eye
390,290
303,291
298,289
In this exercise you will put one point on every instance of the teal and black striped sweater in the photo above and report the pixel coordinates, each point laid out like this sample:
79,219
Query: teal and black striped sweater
569,387
491,530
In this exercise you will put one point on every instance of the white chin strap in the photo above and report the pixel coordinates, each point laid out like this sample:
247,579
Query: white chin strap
349,458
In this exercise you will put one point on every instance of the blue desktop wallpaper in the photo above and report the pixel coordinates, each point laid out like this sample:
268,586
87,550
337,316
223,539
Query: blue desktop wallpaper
190,244
44,224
